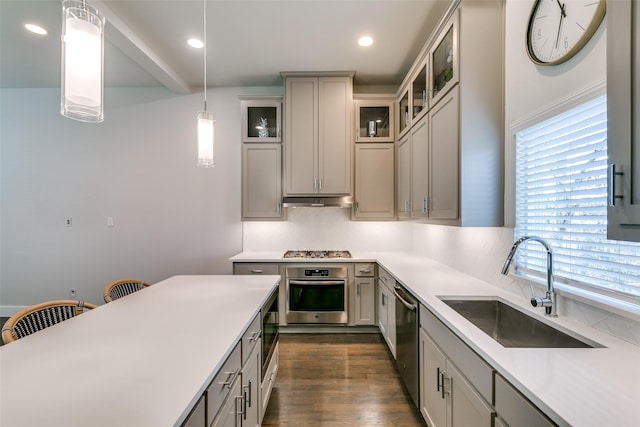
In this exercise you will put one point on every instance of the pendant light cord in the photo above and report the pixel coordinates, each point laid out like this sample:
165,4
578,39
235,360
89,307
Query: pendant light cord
205,55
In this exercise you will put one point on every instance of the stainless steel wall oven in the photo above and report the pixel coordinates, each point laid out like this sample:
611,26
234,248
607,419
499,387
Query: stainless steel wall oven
270,330
317,294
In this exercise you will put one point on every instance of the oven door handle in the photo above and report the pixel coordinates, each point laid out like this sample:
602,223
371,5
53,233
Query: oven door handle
316,282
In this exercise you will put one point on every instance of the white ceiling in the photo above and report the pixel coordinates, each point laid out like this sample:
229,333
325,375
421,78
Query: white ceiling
249,42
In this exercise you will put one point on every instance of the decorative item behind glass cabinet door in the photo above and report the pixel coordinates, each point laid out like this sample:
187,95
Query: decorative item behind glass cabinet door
261,119
374,119
444,61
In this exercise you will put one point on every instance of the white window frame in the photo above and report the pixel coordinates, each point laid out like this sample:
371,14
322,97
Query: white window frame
613,299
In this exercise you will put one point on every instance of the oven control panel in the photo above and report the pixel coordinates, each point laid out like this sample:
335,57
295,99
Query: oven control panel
316,273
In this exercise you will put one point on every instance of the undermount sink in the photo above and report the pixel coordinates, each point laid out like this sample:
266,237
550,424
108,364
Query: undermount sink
511,327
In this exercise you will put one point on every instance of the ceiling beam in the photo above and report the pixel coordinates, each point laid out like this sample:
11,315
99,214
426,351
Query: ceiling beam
129,42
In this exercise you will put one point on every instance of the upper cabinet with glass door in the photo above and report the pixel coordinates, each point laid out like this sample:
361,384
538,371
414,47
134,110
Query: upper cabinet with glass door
404,115
443,59
261,119
419,97
374,120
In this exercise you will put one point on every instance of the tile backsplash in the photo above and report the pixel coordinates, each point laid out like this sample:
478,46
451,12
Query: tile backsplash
477,251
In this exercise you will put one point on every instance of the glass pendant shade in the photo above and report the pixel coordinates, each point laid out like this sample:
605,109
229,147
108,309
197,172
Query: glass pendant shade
206,137
82,61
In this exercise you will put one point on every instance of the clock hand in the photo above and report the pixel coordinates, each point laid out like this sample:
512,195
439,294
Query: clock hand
562,16
562,11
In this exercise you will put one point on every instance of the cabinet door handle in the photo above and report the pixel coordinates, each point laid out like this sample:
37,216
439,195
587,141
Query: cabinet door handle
357,288
425,204
438,381
320,184
612,185
357,208
255,336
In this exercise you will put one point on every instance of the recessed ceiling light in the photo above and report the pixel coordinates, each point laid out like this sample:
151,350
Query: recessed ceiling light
365,41
36,29
195,43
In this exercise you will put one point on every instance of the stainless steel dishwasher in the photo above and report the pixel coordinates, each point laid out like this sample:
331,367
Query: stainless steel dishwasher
407,341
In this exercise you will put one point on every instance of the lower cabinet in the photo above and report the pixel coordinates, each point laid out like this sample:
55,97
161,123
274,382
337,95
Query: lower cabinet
198,416
516,410
365,294
446,396
231,413
387,309
455,383
268,380
224,394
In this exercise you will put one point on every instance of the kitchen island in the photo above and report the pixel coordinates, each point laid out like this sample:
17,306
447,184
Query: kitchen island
142,360
573,387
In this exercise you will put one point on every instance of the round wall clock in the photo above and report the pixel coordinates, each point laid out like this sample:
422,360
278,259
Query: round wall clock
558,29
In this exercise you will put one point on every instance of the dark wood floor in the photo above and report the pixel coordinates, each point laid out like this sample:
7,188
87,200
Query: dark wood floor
338,380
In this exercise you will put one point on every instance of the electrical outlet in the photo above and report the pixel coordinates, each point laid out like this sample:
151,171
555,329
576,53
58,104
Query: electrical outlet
68,222
109,221
72,292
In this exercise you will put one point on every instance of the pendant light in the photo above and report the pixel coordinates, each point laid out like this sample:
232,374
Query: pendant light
82,61
206,128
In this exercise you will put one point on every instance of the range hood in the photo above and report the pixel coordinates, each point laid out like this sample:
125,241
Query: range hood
317,201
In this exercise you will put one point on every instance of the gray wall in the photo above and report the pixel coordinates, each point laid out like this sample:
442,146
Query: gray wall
139,167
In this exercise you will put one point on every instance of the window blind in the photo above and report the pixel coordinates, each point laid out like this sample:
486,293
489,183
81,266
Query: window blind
561,196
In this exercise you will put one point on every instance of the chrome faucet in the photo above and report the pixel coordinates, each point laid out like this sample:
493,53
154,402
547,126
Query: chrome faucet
549,302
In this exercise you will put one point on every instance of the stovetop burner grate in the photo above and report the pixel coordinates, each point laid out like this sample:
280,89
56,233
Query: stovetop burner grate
317,254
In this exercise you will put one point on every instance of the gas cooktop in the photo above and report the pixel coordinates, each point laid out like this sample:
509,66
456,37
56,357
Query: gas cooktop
317,254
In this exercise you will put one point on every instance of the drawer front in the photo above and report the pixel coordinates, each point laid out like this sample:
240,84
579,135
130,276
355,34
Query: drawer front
250,338
386,278
254,268
472,366
365,269
515,409
222,383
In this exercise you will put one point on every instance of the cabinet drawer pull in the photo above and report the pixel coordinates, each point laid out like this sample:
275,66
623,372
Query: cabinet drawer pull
255,336
256,271
230,379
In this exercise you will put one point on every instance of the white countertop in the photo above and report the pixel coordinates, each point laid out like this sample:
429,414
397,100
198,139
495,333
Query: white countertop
578,387
142,360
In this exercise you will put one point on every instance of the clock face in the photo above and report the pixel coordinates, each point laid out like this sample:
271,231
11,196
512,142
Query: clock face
558,29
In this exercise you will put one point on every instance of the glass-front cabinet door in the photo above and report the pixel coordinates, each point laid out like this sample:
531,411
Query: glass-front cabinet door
443,58
419,98
404,116
374,120
261,119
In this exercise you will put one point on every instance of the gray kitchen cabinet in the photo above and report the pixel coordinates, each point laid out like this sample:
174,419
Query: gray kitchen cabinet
515,409
266,387
318,133
374,119
623,103
231,412
251,386
442,202
198,416
387,309
365,294
455,383
419,170
262,181
446,396
224,394
461,169
374,181
261,118
403,181
241,268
